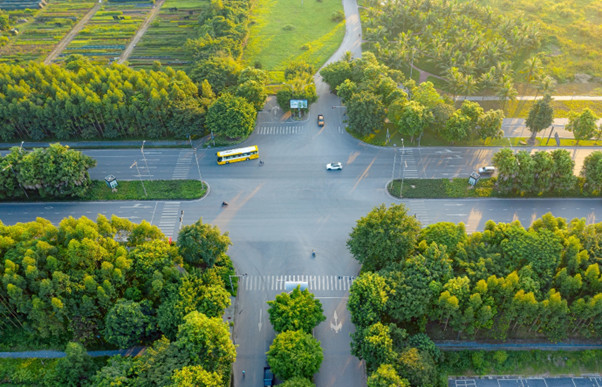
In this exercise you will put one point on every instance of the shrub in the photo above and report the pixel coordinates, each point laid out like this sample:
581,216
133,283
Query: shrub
337,16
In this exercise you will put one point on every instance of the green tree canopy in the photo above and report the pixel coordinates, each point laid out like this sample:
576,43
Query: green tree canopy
583,125
386,376
298,310
206,342
365,112
196,376
295,353
231,116
374,345
384,236
592,172
297,381
540,116
126,324
368,298
202,244
75,368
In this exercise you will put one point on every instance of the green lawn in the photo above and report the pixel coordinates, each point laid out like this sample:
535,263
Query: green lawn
284,31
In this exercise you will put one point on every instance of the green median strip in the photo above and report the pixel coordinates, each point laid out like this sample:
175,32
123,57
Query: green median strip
459,188
133,190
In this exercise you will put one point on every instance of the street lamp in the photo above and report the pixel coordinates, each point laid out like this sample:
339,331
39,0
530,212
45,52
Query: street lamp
144,158
139,176
198,168
403,154
237,276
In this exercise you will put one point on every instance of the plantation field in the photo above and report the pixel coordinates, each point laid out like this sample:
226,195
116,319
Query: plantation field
284,31
571,32
43,30
108,32
165,38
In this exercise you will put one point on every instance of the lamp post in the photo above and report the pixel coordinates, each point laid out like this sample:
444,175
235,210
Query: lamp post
139,177
144,158
237,276
403,158
198,168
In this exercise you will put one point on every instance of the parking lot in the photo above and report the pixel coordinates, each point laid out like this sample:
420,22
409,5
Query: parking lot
510,381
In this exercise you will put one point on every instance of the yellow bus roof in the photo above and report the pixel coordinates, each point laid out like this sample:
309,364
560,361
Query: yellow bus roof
231,152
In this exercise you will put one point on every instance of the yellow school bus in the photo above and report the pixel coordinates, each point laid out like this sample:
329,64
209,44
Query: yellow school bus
239,154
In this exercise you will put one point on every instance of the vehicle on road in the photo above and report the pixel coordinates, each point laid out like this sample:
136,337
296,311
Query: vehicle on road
238,154
268,376
487,171
320,120
334,166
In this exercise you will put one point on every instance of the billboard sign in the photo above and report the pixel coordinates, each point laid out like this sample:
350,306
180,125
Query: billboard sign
298,104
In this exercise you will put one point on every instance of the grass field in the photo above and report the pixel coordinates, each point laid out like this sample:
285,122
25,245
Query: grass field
106,35
165,38
284,31
43,29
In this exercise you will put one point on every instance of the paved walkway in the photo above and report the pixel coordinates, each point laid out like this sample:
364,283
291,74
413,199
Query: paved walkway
515,127
49,354
452,345
533,98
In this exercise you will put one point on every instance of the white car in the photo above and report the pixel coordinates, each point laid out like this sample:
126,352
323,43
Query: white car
334,166
486,171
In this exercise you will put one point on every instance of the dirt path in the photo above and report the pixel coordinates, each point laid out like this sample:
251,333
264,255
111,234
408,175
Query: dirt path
425,74
69,37
141,31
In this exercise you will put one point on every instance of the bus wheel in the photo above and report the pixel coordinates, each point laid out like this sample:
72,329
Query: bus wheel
248,159
227,162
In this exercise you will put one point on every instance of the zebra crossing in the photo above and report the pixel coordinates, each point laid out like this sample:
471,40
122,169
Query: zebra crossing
169,218
283,130
315,282
409,168
182,165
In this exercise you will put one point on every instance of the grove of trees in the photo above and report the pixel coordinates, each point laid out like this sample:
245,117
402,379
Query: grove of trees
117,283
470,46
374,94
544,172
504,282
53,172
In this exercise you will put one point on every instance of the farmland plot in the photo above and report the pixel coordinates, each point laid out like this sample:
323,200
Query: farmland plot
41,30
109,31
165,39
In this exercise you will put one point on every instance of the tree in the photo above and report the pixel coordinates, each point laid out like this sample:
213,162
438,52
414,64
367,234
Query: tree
383,236
295,353
583,125
126,324
196,376
374,345
458,127
543,168
75,368
157,363
336,73
298,310
368,298
231,116
418,367
366,113
221,72
202,244
563,178
489,124
206,342
414,118
540,116
386,376
346,89
446,234
254,92
592,172
4,21
118,372
507,166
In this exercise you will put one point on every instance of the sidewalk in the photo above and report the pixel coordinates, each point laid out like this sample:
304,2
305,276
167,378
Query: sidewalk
106,144
50,354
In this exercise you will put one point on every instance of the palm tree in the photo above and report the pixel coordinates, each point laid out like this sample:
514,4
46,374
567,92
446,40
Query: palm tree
505,90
